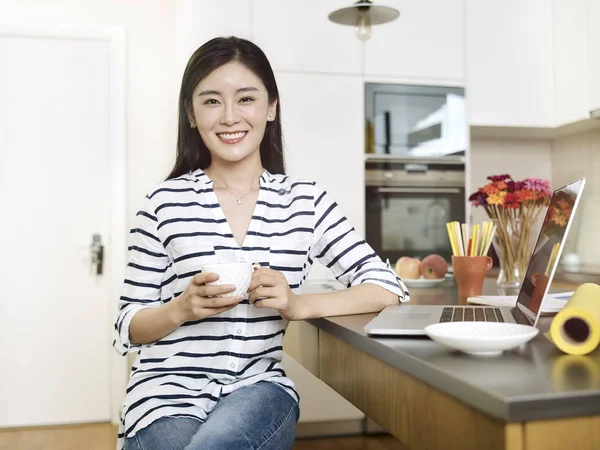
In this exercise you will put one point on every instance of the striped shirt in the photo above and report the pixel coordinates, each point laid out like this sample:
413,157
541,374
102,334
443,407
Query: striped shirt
182,226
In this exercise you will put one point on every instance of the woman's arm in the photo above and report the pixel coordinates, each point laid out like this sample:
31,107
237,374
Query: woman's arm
269,289
143,318
197,302
363,298
372,284
146,270
149,325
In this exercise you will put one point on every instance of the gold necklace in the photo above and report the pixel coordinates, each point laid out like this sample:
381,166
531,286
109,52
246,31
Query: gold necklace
238,199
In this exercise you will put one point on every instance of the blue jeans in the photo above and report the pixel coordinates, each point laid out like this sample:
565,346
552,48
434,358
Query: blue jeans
262,416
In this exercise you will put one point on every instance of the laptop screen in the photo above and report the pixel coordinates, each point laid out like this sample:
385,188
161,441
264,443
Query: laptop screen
547,250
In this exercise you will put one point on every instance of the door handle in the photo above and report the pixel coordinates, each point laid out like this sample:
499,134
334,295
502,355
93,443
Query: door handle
399,190
97,255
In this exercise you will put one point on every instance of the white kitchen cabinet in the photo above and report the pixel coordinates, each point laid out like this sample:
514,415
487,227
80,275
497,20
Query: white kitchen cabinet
323,132
297,36
593,54
569,61
425,44
509,63
576,34
198,22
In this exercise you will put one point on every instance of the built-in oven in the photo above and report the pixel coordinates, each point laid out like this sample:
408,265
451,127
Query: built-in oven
408,202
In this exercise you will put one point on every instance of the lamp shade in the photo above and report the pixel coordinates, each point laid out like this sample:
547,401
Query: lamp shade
376,14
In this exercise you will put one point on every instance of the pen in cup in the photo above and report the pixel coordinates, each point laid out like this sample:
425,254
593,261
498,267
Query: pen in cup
467,242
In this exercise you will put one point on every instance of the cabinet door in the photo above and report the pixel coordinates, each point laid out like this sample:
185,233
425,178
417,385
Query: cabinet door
426,43
509,76
198,22
323,132
593,54
569,37
297,36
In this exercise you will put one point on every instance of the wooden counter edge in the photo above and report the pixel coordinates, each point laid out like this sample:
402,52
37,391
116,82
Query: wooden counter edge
423,417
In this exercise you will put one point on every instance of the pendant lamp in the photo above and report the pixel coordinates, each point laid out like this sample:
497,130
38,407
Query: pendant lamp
362,15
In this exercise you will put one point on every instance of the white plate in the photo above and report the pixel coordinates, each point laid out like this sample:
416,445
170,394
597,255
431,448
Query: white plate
422,282
481,338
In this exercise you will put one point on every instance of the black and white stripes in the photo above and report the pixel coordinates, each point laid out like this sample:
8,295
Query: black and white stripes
181,227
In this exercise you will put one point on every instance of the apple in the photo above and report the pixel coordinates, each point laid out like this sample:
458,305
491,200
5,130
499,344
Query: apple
408,268
434,267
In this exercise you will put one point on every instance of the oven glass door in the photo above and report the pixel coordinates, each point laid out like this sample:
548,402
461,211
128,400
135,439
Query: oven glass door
412,221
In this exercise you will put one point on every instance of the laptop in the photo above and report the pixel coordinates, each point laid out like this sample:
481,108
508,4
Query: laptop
412,319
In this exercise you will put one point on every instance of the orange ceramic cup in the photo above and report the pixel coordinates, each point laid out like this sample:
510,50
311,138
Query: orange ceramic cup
469,272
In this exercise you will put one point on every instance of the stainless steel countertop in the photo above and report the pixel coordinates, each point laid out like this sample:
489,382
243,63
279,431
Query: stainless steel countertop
535,381
580,275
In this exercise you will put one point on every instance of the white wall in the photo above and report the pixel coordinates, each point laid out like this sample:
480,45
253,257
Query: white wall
151,84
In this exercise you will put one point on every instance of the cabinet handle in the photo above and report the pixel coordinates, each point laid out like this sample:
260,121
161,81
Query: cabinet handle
416,190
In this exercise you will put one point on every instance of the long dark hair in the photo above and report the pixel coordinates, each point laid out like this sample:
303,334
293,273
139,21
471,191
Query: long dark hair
192,153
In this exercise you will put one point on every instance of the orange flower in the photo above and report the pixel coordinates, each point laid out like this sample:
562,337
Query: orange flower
490,189
526,195
496,198
501,185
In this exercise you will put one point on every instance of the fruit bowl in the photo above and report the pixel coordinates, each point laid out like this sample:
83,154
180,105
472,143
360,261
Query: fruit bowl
422,282
427,273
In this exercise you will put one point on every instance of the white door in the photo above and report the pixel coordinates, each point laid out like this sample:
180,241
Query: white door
55,316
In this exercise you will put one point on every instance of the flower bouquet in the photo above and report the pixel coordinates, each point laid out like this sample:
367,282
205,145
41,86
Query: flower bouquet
514,207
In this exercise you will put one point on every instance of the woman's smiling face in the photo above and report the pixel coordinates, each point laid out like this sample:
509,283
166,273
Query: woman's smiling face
231,109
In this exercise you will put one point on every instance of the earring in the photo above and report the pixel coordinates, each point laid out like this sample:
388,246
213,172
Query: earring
193,124
270,117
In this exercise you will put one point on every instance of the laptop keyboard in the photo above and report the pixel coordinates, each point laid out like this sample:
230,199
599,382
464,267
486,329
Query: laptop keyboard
471,315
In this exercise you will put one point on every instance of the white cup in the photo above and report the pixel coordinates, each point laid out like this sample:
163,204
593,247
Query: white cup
238,274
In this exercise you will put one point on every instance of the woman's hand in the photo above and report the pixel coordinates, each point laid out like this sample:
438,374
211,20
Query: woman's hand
198,302
270,289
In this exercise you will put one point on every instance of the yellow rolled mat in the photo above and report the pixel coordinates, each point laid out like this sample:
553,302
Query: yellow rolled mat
576,328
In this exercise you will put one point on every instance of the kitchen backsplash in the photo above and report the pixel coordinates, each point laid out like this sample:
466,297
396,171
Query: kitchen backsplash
572,157
518,157
561,161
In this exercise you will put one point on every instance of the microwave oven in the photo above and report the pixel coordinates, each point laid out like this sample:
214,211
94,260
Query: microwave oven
415,121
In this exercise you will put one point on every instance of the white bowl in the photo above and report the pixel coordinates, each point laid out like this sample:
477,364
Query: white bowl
422,282
481,338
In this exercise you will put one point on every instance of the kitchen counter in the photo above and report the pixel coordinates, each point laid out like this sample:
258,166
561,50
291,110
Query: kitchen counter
579,275
534,382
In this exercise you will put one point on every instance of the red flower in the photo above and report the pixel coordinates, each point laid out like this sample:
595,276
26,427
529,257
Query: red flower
504,192
511,201
495,178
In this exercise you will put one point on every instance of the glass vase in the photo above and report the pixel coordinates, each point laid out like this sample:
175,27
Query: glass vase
512,244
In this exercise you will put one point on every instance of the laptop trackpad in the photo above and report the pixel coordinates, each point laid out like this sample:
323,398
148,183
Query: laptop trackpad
405,319
415,316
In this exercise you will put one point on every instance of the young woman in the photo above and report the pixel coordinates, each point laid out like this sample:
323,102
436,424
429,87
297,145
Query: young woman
208,372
